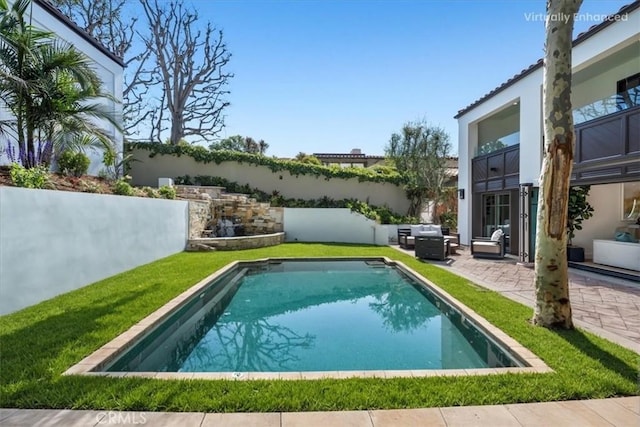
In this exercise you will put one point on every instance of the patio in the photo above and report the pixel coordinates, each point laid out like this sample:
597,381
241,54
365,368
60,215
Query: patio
606,306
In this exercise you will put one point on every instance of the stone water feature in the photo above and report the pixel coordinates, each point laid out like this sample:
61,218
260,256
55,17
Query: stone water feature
225,221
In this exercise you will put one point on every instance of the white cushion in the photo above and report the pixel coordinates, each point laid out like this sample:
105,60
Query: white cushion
496,235
416,229
428,233
486,247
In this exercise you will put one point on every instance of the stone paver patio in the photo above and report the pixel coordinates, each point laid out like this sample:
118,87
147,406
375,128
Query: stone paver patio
606,306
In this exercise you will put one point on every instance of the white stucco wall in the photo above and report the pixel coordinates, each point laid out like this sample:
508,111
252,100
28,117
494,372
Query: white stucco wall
332,225
53,242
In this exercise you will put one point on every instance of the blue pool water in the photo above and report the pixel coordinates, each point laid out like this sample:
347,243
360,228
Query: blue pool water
314,316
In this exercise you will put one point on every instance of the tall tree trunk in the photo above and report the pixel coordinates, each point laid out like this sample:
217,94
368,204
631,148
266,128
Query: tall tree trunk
553,308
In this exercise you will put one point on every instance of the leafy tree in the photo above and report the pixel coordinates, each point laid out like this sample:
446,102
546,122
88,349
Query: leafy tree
490,147
191,72
308,159
553,307
242,144
49,87
262,147
420,153
232,143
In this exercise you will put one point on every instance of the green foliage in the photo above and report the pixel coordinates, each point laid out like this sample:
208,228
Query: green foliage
420,154
490,147
35,177
150,192
384,169
202,155
579,209
40,342
76,164
242,144
49,87
116,164
89,187
167,192
123,188
383,214
449,219
308,159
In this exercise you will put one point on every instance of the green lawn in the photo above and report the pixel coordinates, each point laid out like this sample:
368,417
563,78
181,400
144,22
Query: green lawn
39,343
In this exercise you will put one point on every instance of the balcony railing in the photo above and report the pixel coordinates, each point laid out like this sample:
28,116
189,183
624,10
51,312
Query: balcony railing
498,144
609,105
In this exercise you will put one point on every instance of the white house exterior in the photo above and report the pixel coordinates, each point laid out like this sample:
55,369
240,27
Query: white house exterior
501,142
108,66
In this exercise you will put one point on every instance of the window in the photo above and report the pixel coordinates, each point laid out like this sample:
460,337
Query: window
628,92
631,201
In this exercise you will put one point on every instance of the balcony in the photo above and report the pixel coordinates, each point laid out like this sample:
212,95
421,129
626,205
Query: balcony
607,106
608,146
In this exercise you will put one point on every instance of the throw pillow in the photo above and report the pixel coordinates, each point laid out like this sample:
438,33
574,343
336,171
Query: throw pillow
496,235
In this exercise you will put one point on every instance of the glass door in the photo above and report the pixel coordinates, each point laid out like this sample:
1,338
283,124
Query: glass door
496,216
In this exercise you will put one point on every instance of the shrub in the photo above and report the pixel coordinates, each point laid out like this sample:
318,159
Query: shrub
89,187
36,177
123,188
383,214
449,219
150,192
76,164
167,192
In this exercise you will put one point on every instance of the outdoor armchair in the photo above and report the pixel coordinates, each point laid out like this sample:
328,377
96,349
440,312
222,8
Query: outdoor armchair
492,247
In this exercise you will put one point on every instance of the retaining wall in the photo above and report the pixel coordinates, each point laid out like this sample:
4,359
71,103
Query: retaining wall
52,242
146,170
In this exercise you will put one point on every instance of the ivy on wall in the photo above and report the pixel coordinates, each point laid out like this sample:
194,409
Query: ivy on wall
381,214
203,155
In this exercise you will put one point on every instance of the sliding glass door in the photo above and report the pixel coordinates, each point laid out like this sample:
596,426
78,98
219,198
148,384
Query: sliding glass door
496,215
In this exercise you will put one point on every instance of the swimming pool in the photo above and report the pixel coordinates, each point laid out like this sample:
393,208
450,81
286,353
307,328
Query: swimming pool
280,316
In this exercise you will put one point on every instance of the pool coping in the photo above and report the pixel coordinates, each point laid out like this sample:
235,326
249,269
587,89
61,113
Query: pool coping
92,364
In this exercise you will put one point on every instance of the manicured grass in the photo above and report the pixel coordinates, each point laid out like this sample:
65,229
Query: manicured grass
39,343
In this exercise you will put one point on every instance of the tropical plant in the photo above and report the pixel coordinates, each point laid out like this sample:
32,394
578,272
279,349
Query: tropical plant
579,210
116,163
49,87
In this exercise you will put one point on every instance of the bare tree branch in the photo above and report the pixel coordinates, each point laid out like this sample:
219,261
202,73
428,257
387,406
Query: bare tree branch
190,65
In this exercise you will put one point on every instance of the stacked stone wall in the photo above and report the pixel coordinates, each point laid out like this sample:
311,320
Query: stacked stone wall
209,205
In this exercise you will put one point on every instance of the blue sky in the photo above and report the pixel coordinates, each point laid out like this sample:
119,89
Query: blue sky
330,75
